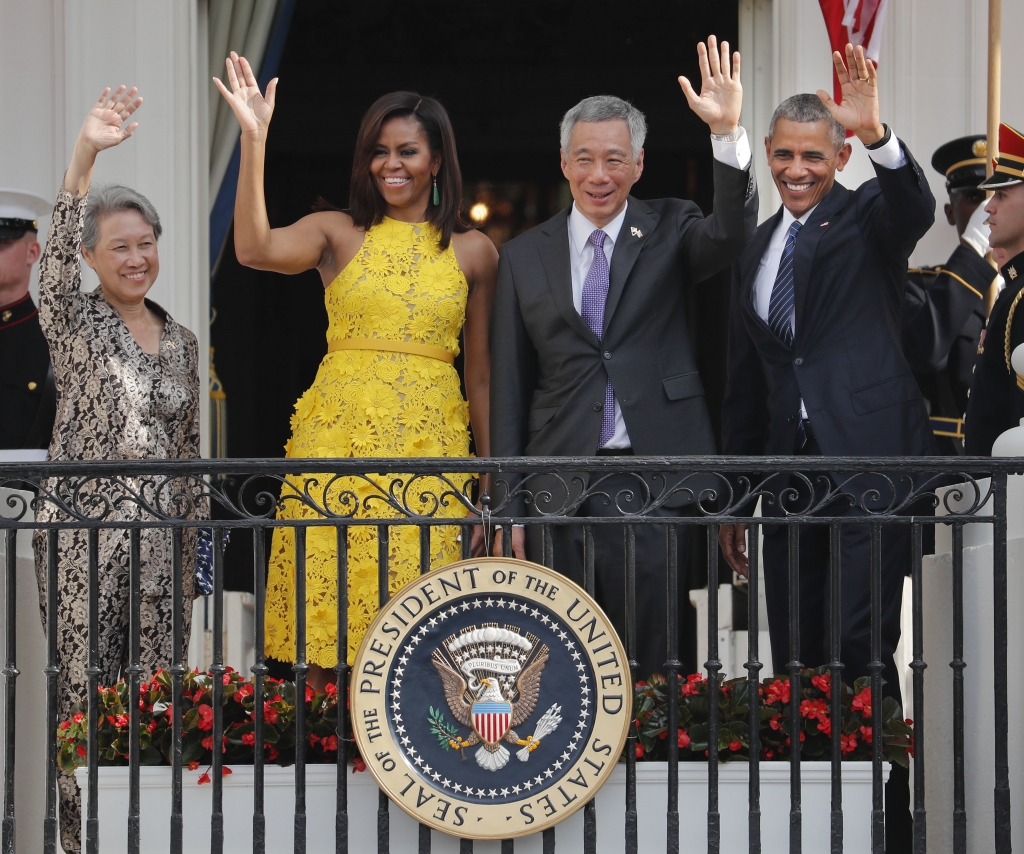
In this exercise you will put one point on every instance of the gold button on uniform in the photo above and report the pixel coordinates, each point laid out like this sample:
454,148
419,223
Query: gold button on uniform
6,316
32,385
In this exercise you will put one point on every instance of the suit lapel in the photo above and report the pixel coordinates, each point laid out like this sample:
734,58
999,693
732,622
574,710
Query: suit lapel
755,252
639,223
554,259
814,229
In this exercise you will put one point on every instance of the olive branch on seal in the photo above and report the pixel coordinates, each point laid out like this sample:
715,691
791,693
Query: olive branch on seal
445,732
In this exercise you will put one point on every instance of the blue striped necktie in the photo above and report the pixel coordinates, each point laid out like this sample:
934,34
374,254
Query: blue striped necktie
781,306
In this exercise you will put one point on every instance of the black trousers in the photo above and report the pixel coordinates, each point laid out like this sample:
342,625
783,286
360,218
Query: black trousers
651,571
814,618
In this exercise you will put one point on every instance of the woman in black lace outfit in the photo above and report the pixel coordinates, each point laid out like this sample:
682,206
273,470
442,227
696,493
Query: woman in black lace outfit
127,389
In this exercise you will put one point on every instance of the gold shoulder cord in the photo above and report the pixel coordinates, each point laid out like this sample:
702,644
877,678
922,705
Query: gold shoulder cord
1009,329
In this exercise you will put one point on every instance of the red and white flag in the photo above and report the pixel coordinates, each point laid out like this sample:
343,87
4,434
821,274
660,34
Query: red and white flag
856,22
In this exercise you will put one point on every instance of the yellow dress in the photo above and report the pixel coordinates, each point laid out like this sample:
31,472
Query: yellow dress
373,403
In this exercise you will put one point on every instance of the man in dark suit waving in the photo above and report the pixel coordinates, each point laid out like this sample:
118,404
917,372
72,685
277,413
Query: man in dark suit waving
590,352
816,363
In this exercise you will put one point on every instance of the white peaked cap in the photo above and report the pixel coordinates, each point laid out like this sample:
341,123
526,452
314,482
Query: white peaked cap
19,204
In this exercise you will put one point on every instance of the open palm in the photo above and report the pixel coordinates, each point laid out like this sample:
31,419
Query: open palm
721,95
858,80
105,126
251,108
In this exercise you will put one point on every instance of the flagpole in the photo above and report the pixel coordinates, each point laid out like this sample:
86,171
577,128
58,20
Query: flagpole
995,25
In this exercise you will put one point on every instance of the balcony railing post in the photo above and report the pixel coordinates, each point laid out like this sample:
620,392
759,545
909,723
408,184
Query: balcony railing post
383,594
835,666
753,668
300,668
259,671
52,673
10,677
714,667
918,666
178,669
999,667
342,670
958,664
217,671
134,685
672,667
631,653
875,668
92,671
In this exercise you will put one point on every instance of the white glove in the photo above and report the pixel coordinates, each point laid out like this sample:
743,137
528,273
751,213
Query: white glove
977,232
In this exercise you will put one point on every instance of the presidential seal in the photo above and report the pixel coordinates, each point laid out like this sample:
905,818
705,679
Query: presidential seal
491,698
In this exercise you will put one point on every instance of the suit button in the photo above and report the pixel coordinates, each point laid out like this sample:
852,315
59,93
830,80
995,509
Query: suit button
598,407
798,361
32,386
607,355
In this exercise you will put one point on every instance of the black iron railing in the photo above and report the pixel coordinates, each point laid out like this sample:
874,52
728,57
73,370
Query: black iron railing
547,493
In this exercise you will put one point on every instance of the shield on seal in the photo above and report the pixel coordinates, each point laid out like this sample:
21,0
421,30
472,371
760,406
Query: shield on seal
491,720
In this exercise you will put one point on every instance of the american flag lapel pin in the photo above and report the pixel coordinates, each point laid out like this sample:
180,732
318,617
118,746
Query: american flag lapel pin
823,224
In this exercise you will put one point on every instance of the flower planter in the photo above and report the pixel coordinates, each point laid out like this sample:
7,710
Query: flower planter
155,800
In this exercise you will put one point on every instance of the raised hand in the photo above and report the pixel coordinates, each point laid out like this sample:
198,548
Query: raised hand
252,109
858,80
721,95
105,127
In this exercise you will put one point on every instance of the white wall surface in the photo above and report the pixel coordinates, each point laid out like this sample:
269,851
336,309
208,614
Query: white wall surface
932,81
56,56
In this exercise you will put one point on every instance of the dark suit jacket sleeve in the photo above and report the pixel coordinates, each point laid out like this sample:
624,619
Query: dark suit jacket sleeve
513,379
904,210
713,242
745,408
934,317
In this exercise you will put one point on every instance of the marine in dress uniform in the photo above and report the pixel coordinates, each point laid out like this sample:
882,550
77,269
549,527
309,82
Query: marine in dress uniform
945,307
997,394
28,397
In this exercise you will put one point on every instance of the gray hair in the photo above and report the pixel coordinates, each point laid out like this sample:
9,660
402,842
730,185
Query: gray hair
109,199
806,108
605,108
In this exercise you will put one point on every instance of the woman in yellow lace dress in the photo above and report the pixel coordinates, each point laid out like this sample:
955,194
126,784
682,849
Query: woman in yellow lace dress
403,277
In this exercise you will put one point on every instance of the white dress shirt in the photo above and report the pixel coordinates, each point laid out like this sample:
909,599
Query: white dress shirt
581,252
889,156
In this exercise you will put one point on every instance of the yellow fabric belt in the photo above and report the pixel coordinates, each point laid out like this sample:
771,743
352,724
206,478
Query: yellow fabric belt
410,347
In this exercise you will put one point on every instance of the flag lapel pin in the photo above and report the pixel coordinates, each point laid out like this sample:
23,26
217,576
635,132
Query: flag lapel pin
824,224
636,232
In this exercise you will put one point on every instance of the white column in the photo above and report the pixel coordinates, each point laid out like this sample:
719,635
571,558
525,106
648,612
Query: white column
55,57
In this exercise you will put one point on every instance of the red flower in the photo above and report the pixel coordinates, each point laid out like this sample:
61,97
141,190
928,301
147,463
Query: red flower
778,692
151,726
813,709
65,724
641,684
330,743
662,734
862,702
866,733
639,750
825,725
203,780
358,764
193,765
121,720
309,694
848,743
735,745
313,738
272,754
225,771
331,689
823,683
249,738
205,717
775,722
269,713
81,750
207,743
78,717
683,738
769,754
226,678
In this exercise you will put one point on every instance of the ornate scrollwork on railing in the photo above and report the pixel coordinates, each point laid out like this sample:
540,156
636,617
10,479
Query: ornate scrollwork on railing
256,490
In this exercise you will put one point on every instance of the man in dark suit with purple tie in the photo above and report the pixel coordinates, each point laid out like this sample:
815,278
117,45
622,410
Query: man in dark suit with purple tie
816,367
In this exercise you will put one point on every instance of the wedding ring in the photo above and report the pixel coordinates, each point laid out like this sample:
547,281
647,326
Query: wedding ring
863,79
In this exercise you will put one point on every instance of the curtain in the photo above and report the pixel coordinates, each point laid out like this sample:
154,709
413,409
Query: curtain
243,26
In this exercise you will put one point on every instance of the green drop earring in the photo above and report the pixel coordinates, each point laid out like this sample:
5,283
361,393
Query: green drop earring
437,195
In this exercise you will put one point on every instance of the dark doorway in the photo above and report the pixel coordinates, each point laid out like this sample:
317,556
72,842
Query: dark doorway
506,72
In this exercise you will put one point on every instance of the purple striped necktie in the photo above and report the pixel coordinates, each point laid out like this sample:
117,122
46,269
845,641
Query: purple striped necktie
595,294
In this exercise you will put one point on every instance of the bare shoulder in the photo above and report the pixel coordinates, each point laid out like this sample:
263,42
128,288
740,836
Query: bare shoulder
476,254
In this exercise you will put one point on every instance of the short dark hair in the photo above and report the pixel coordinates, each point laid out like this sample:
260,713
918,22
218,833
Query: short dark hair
805,108
365,204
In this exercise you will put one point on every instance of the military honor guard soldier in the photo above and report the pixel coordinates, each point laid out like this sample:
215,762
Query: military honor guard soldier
996,400
28,396
945,307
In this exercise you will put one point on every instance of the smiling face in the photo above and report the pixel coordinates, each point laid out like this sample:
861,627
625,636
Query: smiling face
403,168
1006,219
601,169
804,162
125,257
